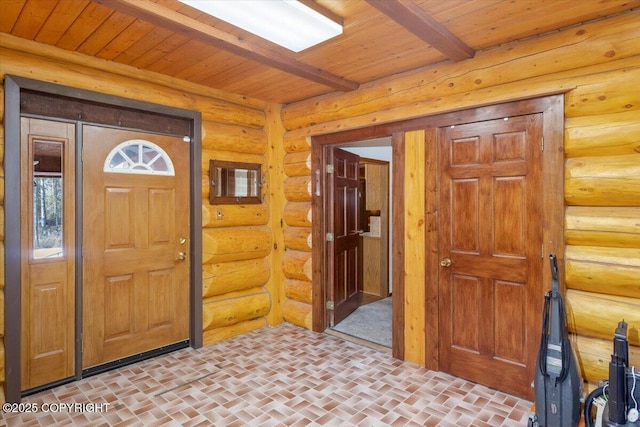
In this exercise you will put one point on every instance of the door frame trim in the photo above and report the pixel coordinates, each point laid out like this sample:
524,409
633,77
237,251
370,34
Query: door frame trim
13,85
319,253
550,104
552,177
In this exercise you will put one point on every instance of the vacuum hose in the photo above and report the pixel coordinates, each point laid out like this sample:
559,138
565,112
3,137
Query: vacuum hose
589,403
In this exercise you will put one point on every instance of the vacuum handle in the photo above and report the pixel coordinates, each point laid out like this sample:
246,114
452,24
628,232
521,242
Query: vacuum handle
553,261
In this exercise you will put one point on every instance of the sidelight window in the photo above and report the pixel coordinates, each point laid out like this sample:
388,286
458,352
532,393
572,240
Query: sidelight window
47,198
139,156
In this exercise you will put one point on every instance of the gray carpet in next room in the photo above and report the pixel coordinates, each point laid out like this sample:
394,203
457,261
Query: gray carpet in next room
371,322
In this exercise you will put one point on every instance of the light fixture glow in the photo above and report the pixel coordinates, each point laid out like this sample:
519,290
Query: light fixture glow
287,23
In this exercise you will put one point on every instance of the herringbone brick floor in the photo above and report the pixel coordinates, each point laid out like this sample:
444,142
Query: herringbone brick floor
282,376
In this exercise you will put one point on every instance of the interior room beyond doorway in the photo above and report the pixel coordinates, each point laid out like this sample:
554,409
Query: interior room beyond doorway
371,321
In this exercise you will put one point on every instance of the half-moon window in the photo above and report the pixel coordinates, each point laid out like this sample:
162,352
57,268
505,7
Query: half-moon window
139,156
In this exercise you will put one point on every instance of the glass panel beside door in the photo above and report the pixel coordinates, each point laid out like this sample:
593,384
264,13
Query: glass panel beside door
48,199
47,235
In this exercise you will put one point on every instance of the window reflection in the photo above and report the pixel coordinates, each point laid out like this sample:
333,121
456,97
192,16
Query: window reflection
139,156
48,199
234,182
237,182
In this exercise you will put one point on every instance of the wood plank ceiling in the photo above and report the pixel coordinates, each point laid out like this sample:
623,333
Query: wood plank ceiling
381,38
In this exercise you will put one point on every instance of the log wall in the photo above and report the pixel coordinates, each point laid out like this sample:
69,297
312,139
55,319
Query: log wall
297,233
597,66
236,266
250,254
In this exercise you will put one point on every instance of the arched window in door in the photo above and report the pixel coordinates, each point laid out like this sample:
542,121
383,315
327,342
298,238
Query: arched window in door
139,156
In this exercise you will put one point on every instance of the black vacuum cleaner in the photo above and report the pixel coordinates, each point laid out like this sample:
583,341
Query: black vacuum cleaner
557,382
617,400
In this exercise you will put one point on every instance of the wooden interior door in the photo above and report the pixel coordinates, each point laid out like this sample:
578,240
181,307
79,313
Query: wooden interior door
135,238
48,247
344,224
491,248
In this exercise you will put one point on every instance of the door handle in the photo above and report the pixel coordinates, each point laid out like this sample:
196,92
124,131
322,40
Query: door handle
446,262
182,255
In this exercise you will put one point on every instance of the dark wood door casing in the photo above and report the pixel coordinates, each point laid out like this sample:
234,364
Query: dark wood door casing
552,166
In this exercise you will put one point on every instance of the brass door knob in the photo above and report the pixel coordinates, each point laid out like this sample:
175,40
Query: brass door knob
446,262
182,255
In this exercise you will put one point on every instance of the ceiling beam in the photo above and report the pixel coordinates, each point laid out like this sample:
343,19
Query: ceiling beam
154,13
408,14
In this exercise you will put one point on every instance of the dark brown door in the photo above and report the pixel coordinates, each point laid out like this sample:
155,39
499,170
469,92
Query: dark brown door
136,230
344,226
491,250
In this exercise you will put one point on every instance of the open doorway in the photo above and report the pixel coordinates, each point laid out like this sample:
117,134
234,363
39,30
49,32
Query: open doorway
368,315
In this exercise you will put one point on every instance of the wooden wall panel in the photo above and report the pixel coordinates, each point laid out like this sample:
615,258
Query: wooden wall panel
232,129
603,180
603,135
597,316
614,227
296,263
457,85
297,164
594,355
607,271
218,334
298,189
235,307
235,244
224,277
232,156
594,65
275,176
414,250
296,144
216,216
240,139
297,313
298,238
298,214
70,62
299,290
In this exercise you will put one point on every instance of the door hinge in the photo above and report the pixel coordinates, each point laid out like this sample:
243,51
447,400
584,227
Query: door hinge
542,144
329,237
329,169
330,305
542,253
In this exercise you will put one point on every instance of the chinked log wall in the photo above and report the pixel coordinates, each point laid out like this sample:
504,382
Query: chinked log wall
297,235
237,248
598,66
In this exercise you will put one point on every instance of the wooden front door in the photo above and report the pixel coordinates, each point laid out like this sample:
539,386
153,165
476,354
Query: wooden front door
344,225
491,249
135,237
48,252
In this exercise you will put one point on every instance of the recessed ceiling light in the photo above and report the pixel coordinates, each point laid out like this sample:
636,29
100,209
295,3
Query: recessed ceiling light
288,23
